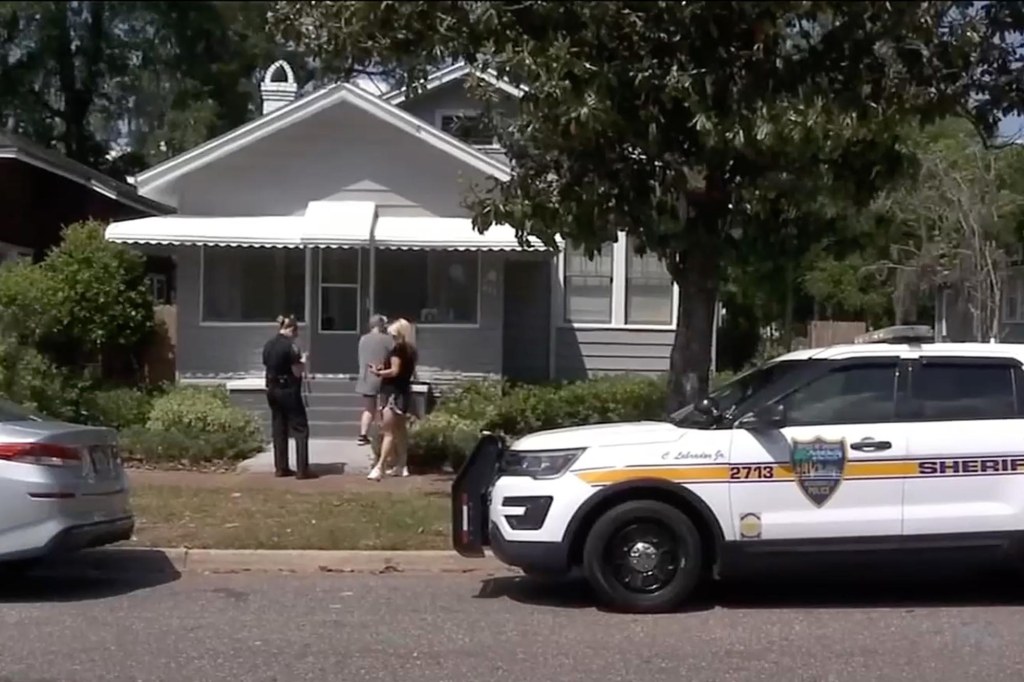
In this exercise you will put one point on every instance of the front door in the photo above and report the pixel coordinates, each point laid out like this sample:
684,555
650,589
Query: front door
834,469
337,316
526,336
964,431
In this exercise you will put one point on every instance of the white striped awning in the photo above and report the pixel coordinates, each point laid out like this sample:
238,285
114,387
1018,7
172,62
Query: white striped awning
325,223
452,234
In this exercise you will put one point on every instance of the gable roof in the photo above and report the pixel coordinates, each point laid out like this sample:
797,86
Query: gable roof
16,147
448,75
305,107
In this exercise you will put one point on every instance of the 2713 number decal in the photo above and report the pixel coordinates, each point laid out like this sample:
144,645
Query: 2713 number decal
758,472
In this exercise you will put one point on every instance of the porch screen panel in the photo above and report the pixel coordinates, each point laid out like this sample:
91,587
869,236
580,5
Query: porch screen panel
246,285
588,285
429,286
648,289
339,290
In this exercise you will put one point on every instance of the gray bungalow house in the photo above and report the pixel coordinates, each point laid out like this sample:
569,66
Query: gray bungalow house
344,202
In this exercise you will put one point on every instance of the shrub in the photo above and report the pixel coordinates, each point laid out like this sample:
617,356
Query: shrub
87,299
442,439
606,399
193,424
118,408
475,399
28,378
450,433
147,446
200,409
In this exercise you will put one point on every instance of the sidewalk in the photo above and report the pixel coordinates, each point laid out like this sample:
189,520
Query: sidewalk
341,456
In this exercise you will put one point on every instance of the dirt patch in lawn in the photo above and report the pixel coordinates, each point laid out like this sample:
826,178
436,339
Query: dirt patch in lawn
394,515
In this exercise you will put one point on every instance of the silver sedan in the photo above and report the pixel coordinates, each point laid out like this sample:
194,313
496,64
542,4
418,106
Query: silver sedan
62,487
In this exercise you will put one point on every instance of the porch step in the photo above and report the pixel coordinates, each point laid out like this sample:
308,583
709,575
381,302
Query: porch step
342,402
336,430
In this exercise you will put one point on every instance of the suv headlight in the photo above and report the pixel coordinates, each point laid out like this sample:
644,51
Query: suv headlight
539,463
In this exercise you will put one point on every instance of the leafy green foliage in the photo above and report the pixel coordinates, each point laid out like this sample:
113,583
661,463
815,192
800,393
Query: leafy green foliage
85,302
201,409
30,379
118,408
693,125
190,425
182,449
149,80
451,431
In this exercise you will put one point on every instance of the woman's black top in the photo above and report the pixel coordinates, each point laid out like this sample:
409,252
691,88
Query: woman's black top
401,383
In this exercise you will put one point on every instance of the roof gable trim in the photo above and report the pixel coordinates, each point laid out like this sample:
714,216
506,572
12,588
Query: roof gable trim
305,107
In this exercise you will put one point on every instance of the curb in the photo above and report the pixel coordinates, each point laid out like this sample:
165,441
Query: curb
183,560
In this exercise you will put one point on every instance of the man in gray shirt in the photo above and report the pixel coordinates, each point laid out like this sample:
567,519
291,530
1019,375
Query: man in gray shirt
374,347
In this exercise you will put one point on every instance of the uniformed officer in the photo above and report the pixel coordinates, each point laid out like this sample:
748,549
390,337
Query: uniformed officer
285,364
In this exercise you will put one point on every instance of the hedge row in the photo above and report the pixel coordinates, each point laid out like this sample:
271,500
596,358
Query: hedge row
448,435
178,426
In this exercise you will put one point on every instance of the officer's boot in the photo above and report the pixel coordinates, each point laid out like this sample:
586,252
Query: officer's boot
302,470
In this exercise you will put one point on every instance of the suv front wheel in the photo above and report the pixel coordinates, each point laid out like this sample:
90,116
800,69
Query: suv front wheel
643,557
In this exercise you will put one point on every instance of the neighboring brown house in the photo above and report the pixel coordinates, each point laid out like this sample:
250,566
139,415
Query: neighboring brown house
43,191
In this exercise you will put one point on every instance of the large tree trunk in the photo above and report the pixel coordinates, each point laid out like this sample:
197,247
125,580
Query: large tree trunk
696,270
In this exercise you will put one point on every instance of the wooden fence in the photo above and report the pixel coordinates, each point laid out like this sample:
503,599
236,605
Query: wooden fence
827,332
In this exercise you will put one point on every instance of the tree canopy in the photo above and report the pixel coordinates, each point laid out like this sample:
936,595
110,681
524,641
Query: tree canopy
693,126
120,86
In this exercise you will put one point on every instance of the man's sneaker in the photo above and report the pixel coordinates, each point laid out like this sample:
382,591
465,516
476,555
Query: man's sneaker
374,474
363,440
396,472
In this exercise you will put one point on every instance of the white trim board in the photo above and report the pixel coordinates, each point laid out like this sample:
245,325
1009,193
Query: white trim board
321,285
448,75
620,258
305,107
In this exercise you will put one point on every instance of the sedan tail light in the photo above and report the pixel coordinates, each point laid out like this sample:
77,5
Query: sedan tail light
40,454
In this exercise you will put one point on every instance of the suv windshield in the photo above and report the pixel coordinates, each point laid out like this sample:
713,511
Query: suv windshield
732,396
11,412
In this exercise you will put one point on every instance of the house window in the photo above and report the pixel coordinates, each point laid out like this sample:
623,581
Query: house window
157,284
429,287
469,126
339,290
588,285
252,285
1013,297
649,296
617,287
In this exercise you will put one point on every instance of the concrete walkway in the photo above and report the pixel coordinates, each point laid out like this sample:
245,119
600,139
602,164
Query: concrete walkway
342,456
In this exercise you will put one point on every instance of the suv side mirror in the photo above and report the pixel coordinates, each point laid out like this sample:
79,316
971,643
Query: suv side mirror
708,407
765,418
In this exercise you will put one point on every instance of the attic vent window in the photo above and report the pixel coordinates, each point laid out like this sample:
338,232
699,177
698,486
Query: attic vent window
469,126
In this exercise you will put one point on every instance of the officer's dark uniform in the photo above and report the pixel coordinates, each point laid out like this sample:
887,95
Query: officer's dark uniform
288,413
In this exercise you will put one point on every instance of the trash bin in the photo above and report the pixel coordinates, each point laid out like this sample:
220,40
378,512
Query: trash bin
422,399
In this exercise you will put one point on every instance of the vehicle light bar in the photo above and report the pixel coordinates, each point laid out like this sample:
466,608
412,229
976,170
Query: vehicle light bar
910,333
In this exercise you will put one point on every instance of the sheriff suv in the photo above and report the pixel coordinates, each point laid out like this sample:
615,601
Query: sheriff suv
890,443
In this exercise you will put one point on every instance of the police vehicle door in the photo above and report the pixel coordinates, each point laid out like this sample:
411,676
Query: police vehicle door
832,469
965,435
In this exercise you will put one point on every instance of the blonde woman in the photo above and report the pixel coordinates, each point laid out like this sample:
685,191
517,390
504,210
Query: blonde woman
395,398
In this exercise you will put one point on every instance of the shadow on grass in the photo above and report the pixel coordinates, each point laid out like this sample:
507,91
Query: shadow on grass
89,575
923,588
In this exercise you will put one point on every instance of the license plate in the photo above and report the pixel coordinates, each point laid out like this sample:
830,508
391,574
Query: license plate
102,461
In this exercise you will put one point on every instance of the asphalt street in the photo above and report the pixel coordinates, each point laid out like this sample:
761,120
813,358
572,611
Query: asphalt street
74,626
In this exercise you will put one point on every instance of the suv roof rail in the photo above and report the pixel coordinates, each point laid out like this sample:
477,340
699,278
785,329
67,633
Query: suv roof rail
908,333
